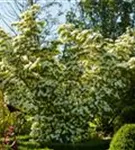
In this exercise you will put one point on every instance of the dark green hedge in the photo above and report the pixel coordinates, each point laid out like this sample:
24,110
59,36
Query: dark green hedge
92,145
24,142
124,139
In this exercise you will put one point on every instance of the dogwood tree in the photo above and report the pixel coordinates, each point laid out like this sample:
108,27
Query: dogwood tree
63,94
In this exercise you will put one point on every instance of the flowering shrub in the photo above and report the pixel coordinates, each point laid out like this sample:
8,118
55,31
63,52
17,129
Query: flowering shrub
64,89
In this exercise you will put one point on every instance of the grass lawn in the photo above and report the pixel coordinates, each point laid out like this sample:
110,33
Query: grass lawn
25,143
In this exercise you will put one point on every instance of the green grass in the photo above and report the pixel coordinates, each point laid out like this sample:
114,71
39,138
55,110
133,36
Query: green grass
25,143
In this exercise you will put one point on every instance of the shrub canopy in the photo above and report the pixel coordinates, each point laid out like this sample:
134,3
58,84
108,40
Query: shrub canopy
124,139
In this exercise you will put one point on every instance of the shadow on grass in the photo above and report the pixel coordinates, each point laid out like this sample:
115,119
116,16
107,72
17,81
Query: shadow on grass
25,143
91,145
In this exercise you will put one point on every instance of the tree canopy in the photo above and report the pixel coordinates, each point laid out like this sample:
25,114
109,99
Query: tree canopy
94,83
110,17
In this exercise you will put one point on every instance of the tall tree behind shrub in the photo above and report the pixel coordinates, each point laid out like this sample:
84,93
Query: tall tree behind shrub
109,17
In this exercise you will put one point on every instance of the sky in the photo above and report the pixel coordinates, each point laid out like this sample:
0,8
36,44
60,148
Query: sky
8,11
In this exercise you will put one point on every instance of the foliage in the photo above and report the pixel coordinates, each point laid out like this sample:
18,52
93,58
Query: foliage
41,79
91,82
3,113
6,119
107,68
17,7
110,17
25,142
124,139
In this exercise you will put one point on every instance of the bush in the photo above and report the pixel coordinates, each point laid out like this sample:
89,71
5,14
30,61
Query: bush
124,139
95,144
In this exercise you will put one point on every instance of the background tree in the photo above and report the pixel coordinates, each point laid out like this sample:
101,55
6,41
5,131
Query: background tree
110,17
